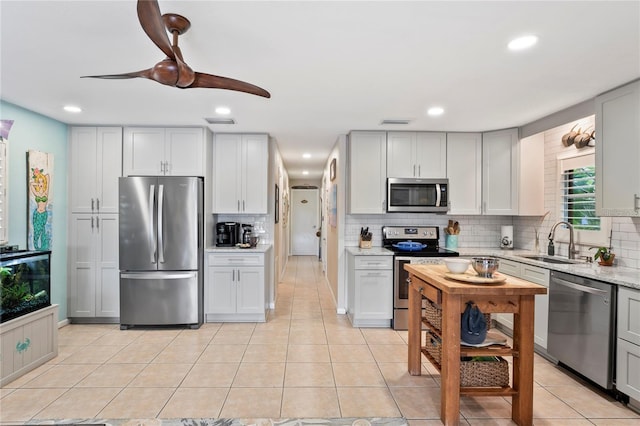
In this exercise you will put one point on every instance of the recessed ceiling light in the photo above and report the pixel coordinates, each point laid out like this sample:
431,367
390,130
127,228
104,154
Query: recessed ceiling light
521,43
305,172
306,155
72,108
223,110
435,111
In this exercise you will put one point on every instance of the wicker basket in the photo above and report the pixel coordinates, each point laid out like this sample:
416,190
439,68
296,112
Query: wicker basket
474,372
490,371
433,345
493,372
433,314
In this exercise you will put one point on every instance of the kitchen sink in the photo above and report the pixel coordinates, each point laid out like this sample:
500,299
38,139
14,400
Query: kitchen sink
551,259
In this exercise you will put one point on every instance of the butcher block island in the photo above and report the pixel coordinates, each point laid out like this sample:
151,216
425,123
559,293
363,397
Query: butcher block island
512,295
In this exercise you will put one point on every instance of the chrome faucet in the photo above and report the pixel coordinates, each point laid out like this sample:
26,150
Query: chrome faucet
572,247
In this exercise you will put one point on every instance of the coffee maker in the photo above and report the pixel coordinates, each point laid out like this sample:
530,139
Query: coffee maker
247,233
227,234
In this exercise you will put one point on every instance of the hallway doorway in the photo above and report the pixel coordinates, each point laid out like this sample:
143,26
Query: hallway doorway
305,217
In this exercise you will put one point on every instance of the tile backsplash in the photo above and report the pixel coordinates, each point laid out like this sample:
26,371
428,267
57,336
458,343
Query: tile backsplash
484,231
475,231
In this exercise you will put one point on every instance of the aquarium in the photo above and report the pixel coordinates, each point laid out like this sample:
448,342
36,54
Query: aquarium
25,283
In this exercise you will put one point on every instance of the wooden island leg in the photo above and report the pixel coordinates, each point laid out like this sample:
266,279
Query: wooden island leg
523,322
414,329
450,372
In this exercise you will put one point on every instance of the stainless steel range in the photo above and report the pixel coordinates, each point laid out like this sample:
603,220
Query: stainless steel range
410,244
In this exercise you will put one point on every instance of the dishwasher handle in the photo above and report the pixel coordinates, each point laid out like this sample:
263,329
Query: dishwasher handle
579,287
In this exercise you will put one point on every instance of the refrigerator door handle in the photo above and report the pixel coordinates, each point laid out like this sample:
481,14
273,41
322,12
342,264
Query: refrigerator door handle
160,224
151,235
155,275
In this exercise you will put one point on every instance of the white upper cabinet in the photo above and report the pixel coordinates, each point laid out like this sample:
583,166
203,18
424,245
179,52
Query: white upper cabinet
185,152
152,151
531,176
240,173
500,158
416,154
464,170
367,177
95,165
618,152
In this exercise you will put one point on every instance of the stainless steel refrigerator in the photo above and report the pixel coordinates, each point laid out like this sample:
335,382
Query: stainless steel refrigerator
161,251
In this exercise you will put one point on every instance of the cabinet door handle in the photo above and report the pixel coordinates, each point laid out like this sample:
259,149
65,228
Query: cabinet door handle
166,167
579,287
238,275
414,170
419,171
242,205
233,275
162,166
91,222
92,205
98,205
238,205
635,202
97,224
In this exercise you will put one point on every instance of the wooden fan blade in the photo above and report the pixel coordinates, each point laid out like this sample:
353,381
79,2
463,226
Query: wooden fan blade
152,24
217,82
144,74
186,76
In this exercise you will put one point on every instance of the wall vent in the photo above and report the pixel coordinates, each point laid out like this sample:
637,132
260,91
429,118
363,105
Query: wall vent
396,121
216,120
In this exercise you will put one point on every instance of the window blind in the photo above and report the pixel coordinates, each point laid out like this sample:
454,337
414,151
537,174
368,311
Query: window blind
579,198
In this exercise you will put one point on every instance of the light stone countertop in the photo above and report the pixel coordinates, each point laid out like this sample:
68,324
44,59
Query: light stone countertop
373,251
627,277
260,248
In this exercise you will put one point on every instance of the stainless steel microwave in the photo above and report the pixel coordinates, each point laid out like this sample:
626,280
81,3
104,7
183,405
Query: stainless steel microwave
417,195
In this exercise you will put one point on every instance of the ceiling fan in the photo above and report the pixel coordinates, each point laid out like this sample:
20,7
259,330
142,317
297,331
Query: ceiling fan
173,71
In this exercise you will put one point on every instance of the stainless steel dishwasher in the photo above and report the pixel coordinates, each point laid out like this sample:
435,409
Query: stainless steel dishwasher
582,326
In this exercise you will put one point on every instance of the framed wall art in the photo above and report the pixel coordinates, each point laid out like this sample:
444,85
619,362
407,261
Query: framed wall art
40,199
277,204
332,170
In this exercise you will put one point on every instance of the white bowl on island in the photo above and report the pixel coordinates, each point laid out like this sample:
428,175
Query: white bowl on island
457,265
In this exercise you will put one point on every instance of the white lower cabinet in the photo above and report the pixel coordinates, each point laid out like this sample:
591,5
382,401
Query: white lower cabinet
628,343
535,275
94,276
27,342
235,288
370,290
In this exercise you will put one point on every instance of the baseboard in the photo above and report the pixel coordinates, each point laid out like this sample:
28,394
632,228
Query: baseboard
63,322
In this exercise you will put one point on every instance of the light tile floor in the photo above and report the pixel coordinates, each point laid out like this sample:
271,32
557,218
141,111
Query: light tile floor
305,361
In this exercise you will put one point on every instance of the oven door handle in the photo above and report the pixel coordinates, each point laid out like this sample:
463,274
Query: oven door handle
579,287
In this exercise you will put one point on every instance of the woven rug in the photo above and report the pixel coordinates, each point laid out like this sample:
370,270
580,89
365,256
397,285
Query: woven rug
370,421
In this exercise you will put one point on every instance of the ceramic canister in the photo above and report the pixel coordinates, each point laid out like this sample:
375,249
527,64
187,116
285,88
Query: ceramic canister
506,237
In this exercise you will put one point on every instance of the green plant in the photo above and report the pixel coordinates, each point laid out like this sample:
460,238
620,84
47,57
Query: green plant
14,295
602,253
